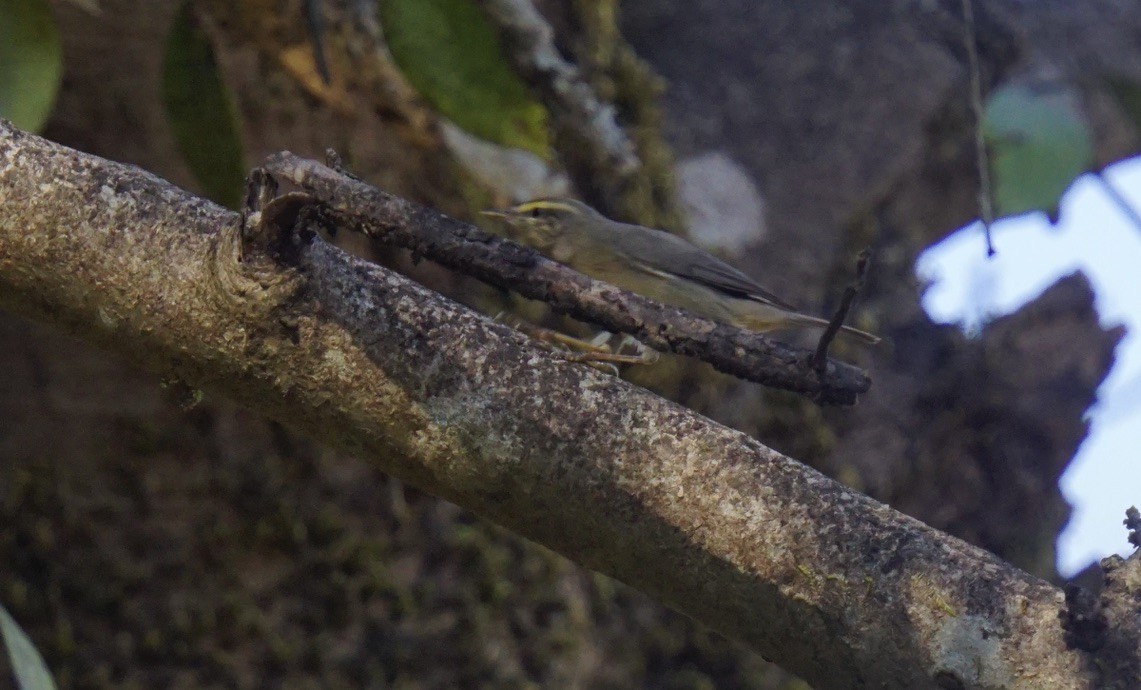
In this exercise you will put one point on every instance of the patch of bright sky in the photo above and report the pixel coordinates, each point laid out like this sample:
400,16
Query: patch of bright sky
1096,237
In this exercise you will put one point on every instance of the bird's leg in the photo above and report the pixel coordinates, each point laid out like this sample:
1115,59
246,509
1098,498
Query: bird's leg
628,350
596,351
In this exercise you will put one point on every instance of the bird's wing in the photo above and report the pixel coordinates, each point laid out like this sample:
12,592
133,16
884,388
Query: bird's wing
685,260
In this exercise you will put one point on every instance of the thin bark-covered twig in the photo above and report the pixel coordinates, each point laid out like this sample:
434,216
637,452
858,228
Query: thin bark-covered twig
830,584
820,357
499,262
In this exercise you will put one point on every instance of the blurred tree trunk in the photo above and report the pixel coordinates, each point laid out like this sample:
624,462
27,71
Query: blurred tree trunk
855,127
273,562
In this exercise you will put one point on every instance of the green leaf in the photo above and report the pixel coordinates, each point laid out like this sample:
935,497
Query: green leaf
31,62
27,665
450,54
201,112
1039,143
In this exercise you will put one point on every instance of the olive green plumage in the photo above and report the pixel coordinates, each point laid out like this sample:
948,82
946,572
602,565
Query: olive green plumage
652,263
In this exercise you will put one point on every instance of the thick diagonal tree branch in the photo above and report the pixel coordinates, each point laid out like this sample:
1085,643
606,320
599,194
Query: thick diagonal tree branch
462,247
828,583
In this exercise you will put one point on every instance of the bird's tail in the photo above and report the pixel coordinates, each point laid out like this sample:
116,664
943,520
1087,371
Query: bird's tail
862,336
814,322
763,317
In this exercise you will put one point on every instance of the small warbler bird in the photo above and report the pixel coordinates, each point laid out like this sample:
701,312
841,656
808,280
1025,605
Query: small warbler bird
652,263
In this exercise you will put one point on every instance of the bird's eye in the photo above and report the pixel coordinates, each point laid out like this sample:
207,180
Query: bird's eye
535,213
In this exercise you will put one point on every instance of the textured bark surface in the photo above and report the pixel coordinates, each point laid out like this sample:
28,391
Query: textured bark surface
231,553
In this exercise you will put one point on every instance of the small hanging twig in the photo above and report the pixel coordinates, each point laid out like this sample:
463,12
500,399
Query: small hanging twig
986,209
820,357
1123,204
313,12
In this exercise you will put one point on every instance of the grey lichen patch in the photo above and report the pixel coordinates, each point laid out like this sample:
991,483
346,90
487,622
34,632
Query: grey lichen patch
467,420
967,650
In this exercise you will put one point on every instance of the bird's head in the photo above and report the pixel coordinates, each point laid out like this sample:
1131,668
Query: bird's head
540,223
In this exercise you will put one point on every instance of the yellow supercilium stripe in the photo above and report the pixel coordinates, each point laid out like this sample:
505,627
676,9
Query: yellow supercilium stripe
545,204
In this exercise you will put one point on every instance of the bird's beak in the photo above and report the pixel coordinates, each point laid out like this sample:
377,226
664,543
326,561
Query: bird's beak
495,214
